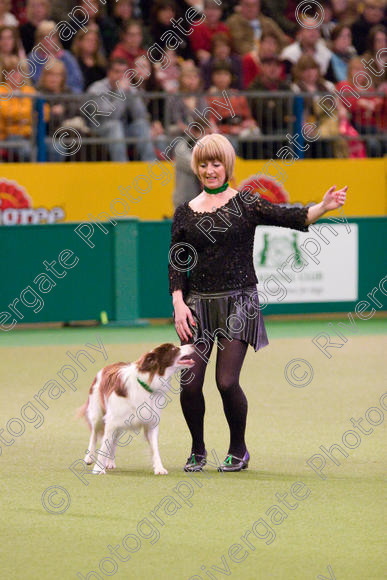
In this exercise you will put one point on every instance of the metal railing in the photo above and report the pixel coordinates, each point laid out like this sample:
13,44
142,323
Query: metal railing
28,134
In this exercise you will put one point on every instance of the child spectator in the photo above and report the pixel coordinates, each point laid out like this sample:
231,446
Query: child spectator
10,44
202,34
16,113
273,114
37,11
221,51
239,124
92,63
268,47
342,52
45,32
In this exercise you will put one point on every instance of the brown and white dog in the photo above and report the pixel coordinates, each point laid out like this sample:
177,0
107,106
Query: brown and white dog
122,398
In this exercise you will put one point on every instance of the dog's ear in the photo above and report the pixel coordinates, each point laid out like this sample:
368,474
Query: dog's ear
148,362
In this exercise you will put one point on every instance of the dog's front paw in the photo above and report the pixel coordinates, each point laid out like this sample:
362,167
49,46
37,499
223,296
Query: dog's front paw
160,471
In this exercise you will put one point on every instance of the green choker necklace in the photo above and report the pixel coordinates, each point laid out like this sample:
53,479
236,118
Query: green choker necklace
217,190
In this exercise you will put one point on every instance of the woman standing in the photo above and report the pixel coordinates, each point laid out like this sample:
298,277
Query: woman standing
217,296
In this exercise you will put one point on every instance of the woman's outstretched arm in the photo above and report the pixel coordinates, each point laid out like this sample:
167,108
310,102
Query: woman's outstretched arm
333,199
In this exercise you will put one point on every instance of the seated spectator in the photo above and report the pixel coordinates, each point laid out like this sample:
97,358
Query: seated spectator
342,52
268,47
180,108
221,51
308,79
37,11
328,22
126,118
283,13
45,32
273,114
57,111
121,13
91,61
131,46
308,41
161,14
234,126
202,34
62,8
16,113
247,26
373,14
10,44
6,17
377,41
345,11
167,78
366,111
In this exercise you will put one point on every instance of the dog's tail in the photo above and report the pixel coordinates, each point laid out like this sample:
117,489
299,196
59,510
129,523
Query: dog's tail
81,411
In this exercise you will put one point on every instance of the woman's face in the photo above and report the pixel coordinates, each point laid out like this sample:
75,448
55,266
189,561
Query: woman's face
343,41
7,43
89,43
191,82
310,76
53,80
221,80
123,10
39,10
380,41
221,50
212,174
165,15
133,37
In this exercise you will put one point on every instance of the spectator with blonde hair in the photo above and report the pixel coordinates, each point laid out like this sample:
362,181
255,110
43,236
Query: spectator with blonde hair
16,113
37,11
46,37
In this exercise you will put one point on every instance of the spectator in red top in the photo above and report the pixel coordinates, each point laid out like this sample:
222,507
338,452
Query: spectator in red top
236,126
131,46
269,47
202,34
366,110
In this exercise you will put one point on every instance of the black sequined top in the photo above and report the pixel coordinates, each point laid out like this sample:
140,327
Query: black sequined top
213,251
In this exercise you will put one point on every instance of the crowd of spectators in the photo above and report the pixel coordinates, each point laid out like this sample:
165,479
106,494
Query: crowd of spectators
241,46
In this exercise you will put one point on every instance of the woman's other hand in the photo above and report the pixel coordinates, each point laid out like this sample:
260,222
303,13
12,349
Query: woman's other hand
183,316
334,199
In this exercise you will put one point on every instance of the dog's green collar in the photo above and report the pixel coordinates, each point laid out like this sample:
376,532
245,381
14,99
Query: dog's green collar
145,386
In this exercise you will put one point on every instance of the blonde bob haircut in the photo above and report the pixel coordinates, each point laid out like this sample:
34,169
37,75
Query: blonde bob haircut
214,147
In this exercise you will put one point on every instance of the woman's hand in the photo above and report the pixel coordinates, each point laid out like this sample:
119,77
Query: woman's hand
182,314
333,199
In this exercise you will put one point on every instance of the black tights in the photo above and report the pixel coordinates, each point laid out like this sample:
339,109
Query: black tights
228,366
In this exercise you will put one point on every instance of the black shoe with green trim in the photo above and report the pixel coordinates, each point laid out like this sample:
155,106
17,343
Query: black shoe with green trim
232,463
196,462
